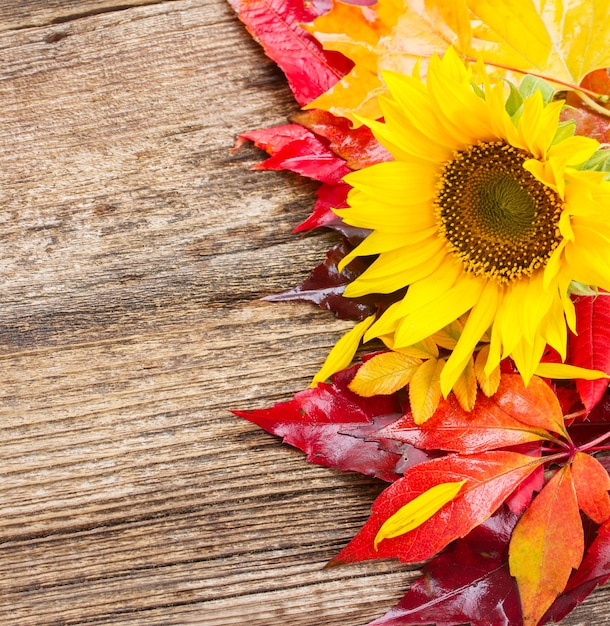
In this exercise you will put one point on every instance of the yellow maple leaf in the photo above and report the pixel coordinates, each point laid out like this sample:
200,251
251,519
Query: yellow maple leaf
558,40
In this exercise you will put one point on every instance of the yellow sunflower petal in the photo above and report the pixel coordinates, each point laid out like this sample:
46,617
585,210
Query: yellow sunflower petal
527,357
479,214
342,352
440,312
479,320
565,371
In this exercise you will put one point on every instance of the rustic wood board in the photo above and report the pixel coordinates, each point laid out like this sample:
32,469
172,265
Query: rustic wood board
134,248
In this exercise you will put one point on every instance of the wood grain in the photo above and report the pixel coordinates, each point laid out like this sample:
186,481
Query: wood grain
134,248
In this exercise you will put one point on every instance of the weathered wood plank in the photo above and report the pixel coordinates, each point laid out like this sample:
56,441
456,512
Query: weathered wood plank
134,247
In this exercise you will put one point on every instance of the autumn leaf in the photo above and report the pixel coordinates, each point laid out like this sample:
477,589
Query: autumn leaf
385,373
467,583
417,511
591,483
357,146
330,196
425,389
276,25
490,477
325,286
488,383
532,36
590,348
315,418
593,571
546,545
495,422
465,388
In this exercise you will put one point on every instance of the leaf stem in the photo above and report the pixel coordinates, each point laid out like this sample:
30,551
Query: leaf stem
593,444
591,98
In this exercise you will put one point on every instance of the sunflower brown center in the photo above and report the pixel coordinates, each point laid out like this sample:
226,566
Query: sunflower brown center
496,217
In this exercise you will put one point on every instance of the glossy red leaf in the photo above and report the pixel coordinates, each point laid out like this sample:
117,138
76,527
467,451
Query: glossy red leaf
590,348
468,583
273,139
490,477
357,146
295,148
330,196
520,499
588,122
315,419
503,420
276,25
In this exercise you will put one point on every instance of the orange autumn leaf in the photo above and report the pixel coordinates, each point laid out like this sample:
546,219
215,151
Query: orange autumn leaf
591,482
495,422
546,545
532,36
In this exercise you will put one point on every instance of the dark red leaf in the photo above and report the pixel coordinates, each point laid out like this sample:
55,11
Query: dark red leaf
325,286
357,146
315,419
276,25
593,571
468,583
590,348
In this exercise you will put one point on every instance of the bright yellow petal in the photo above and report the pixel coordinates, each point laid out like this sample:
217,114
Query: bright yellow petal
396,181
342,352
378,242
527,357
565,371
479,320
439,312
392,281
418,511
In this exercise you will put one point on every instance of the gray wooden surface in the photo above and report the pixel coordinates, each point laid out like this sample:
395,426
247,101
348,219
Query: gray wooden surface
133,249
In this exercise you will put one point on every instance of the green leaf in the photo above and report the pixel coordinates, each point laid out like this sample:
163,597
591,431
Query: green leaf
599,161
531,84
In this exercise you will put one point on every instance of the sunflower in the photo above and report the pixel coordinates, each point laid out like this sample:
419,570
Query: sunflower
484,216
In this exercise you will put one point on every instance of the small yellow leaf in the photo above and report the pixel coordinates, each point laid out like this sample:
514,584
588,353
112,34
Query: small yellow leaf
448,337
384,374
343,351
465,388
489,384
425,389
419,510
424,349
563,370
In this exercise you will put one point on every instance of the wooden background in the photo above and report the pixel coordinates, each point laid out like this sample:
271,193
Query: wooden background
133,249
